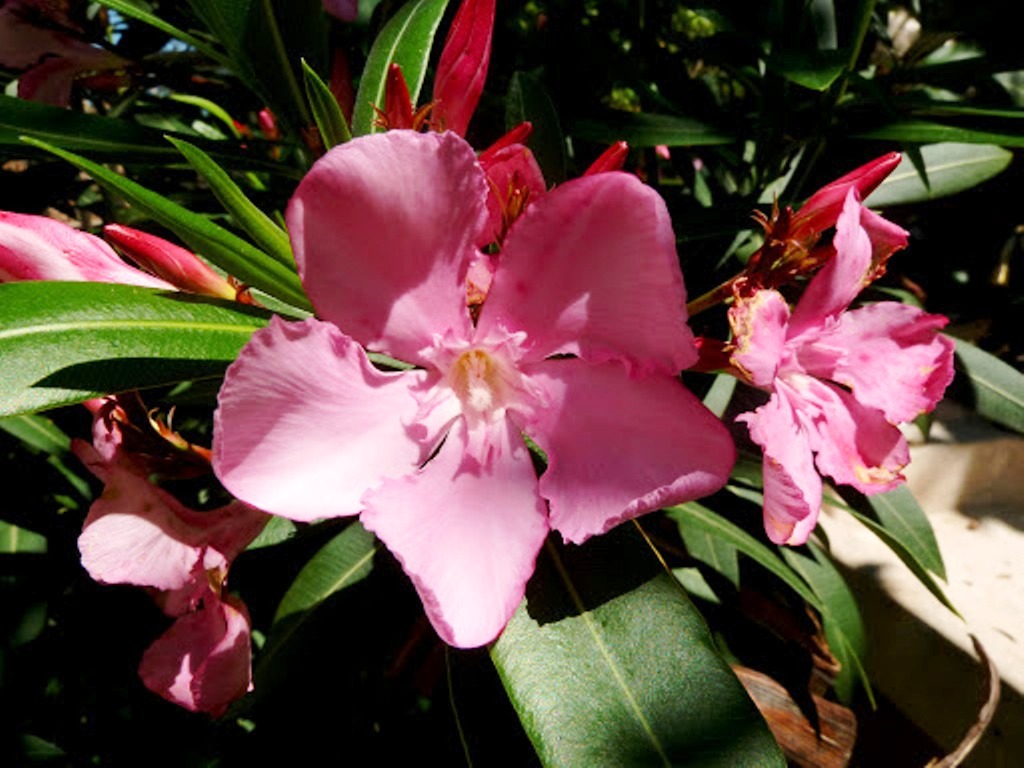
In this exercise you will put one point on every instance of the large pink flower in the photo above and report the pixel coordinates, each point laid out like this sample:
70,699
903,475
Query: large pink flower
577,345
137,533
840,380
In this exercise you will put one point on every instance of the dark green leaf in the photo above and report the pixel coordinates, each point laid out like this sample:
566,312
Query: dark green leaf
899,512
229,252
649,130
63,343
134,10
329,119
694,517
609,664
277,530
712,550
528,101
816,70
998,387
951,168
926,132
406,40
844,628
264,232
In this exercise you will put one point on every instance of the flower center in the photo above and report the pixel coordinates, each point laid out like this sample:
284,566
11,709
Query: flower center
479,380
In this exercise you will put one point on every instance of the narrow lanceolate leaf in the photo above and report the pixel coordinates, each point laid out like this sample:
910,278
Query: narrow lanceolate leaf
950,168
998,387
326,112
64,343
343,561
713,551
263,231
844,628
134,10
649,130
405,40
37,432
15,540
528,101
609,664
901,515
693,517
229,252
925,132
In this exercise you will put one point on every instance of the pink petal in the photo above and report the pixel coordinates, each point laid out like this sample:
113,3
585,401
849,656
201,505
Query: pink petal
759,333
384,228
462,68
203,662
135,534
792,486
891,356
39,248
886,238
823,207
842,277
854,444
619,447
467,535
346,10
306,424
614,158
591,270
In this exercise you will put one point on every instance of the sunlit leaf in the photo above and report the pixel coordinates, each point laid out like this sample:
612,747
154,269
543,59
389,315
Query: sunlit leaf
328,115
899,512
951,168
63,343
608,663
926,132
998,387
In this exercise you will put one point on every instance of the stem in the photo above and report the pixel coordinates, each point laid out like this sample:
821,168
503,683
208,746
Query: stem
715,296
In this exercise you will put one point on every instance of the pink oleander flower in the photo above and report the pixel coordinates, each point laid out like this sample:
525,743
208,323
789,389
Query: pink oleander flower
839,379
40,39
577,345
137,533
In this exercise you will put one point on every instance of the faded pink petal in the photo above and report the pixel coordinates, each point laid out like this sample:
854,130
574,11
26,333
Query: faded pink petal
792,486
759,334
203,662
462,68
306,424
169,261
854,444
823,208
384,232
611,286
346,10
39,248
619,447
843,277
892,358
467,535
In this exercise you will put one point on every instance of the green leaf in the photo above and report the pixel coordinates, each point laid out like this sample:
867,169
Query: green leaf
64,343
713,551
341,562
844,627
721,391
927,132
951,168
900,514
406,40
329,119
648,130
134,10
528,101
264,232
608,663
907,557
229,252
38,432
14,540
693,517
106,137
265,46
812,69
998,387
277,530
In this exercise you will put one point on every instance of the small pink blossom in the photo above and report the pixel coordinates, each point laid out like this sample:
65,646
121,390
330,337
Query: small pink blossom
137,533
577,345
839,379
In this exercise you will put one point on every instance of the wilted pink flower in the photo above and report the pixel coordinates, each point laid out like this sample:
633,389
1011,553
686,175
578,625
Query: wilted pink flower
39,248
577,345
39,38
137,533
839,380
